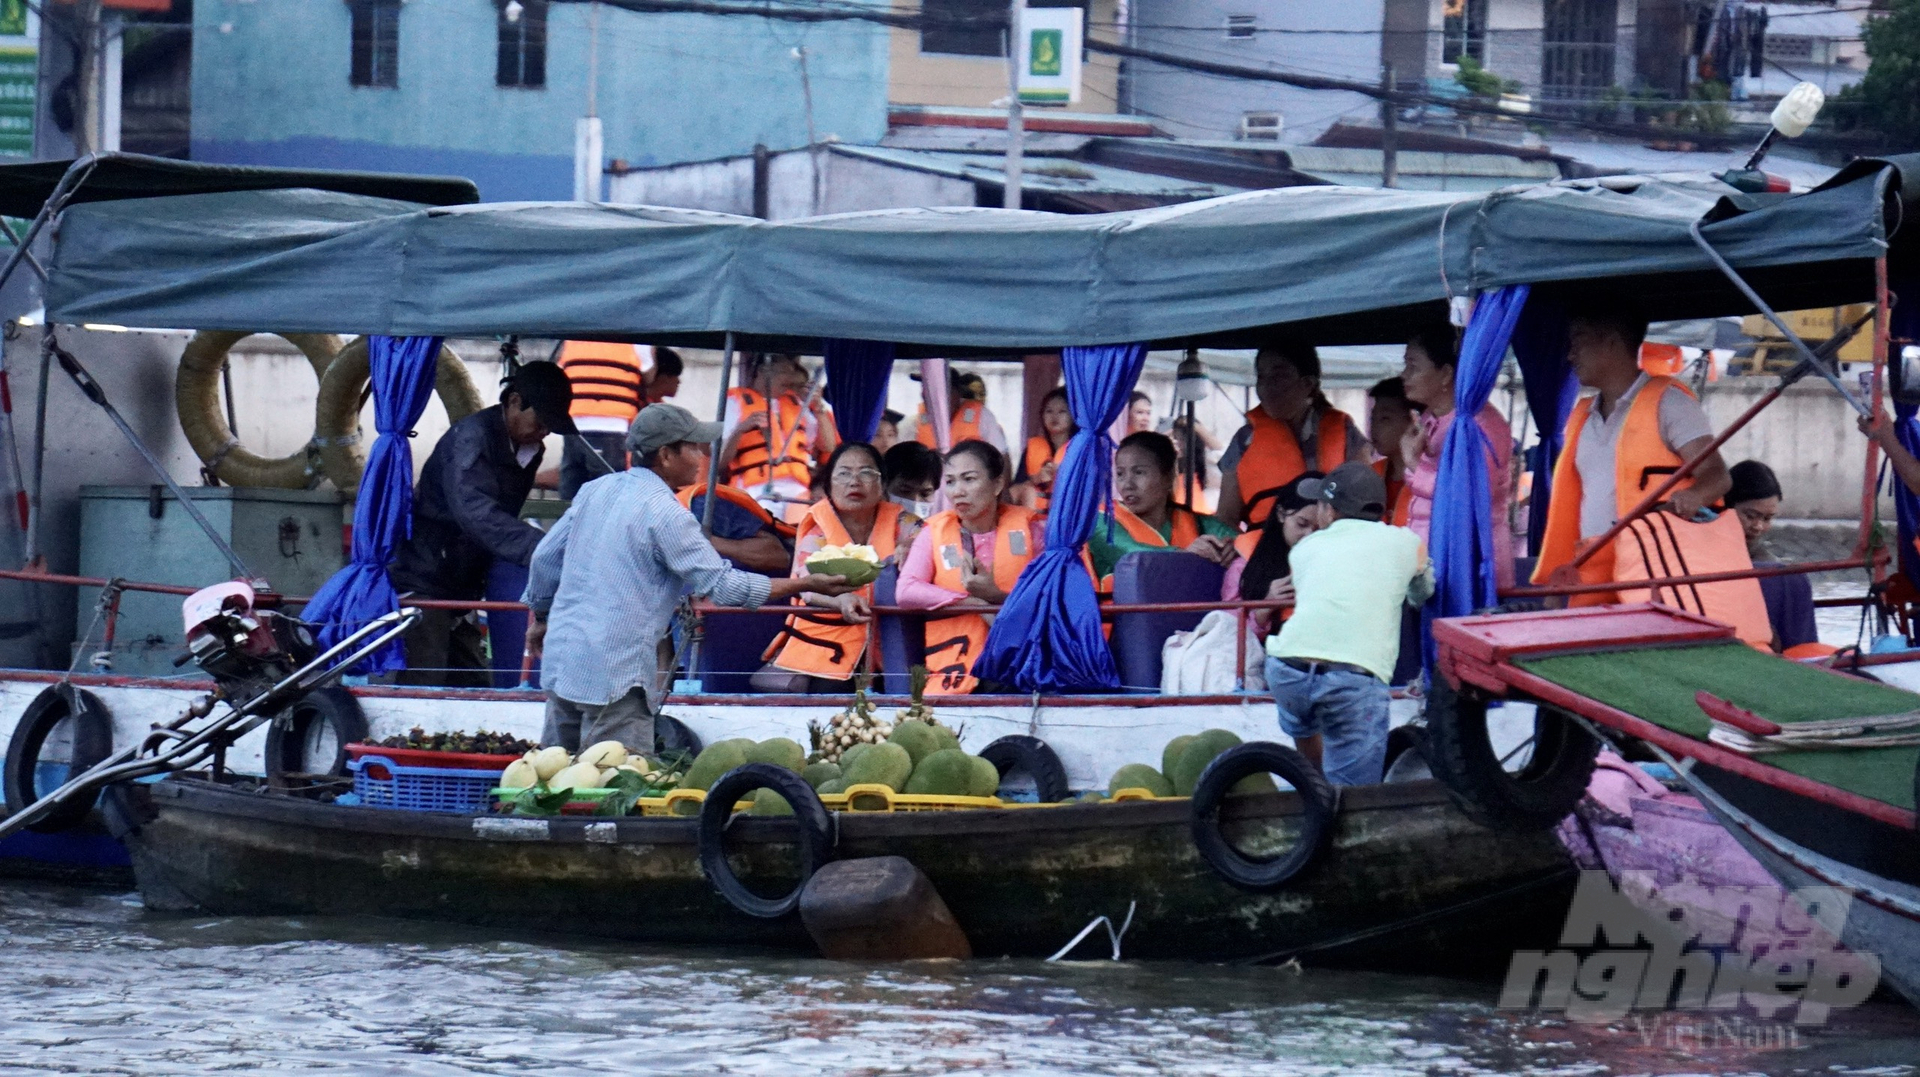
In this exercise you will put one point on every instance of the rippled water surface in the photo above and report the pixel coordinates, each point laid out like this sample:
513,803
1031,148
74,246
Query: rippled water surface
94,984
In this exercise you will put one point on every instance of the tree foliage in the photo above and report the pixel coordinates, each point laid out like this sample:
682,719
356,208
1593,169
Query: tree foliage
1887,99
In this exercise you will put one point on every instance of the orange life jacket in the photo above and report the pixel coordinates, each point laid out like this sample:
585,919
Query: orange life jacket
1399,496
1186,528
737,496
749,467
1273,459
824,646
953,643
1040,452
1640,459
965,424
606,379
1661,544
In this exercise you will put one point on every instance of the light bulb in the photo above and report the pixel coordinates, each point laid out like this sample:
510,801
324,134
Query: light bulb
1795,112
513,10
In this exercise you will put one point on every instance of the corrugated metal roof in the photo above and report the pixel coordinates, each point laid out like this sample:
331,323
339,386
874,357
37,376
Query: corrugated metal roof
1320,160
1812,20
1041,173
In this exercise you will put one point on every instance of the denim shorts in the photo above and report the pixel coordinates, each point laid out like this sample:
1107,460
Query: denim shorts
1348,710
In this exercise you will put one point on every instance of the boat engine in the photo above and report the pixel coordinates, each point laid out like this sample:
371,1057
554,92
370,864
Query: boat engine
245,650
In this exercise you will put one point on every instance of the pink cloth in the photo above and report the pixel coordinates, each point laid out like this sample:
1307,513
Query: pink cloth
916,589
1421,480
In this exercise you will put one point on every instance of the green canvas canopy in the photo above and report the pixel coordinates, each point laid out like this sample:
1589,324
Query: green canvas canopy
1335,264
24,188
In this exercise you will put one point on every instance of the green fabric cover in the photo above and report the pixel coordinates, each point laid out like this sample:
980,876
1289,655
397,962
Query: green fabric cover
1659,684
1106,554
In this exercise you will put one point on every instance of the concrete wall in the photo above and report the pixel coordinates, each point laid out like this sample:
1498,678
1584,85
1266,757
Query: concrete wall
1339,40
800,184
270,86
923,78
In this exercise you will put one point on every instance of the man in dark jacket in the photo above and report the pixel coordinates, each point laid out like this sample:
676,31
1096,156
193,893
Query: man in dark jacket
466,513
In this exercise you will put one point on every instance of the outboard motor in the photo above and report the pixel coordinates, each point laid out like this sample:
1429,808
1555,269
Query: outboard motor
245,650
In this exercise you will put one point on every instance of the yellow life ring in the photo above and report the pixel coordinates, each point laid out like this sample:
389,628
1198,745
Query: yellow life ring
196,396
336,421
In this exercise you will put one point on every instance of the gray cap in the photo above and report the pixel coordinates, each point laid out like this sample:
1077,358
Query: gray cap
1353,489
660,425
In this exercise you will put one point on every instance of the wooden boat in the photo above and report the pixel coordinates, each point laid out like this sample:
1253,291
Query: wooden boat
1407,881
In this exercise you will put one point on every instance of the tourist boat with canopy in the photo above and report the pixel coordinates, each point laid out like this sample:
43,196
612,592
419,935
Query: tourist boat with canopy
1330,265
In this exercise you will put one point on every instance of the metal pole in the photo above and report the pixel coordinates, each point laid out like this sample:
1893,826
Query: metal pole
1389,137
77,174
713,461
1870,487
1016,114
34,552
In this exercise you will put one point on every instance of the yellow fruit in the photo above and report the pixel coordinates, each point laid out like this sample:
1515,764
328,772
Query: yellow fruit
550,761
519,775
607,753
578,776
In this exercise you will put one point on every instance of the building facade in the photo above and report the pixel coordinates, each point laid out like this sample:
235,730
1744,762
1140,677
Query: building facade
492,89
945,62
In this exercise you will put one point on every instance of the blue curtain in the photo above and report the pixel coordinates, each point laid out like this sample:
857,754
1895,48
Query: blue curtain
857,375
1904,324
401,372
1461,539
1540,344
1047,637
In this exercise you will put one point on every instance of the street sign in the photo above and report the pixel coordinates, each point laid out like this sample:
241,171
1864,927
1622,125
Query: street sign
1050,55
19,77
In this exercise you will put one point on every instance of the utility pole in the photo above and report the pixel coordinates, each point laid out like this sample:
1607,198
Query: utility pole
813,137
87,120
1016,116
589,145
1389,132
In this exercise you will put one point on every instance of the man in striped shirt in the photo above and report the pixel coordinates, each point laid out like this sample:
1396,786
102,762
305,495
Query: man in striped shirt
605,581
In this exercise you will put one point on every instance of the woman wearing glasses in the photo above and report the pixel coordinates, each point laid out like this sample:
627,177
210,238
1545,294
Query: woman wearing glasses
856,511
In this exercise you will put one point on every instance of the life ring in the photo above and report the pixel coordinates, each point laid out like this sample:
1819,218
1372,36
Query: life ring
196,396
336,414
89,740
1539,794
815,836
312,736
1018,753
1319,803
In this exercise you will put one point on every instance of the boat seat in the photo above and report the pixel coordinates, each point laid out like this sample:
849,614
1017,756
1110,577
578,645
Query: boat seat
1172,576
1789,607
731,653
903,640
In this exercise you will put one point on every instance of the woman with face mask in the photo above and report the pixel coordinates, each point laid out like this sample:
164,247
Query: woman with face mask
828,650
969,555
1045,452
912,474
1145,518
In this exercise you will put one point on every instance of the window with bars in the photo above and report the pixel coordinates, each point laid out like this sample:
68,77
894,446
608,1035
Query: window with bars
1463,31
1241,27
1577,47
522,58
375,37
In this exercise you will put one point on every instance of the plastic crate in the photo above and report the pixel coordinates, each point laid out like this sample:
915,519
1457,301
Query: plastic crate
419,757
381,783
582,802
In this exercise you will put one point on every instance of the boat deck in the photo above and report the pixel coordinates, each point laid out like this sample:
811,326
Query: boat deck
1659,683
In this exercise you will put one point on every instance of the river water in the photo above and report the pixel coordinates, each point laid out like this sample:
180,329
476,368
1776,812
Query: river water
93,984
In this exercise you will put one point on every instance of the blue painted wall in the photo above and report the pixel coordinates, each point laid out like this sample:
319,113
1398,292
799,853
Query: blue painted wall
270,86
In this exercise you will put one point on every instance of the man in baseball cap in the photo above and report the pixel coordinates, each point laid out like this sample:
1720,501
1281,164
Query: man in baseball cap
605,582
1329,664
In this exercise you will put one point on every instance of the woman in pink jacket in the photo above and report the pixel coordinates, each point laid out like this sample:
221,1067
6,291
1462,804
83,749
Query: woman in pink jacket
1428,374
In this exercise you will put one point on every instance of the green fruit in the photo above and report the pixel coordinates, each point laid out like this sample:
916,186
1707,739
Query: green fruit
768,802
744,743
1140,776
1254,783
818,774
832,787
1091,796
945,773
715,761
947,737
918,738
847,757
986,778
779,751
887,764
1171,753
1195,757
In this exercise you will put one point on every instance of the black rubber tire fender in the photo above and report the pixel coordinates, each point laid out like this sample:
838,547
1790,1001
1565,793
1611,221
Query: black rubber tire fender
92,742
332,709
670,734
1402,739
1319,802
1019,752
814,835
1461,753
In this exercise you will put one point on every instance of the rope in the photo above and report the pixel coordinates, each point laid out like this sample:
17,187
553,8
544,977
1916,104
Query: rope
1114,936
1881,731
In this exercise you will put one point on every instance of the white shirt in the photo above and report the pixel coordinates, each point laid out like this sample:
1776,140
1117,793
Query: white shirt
1682,421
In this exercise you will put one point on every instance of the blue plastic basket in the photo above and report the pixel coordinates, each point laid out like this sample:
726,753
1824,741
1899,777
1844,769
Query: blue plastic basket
421,788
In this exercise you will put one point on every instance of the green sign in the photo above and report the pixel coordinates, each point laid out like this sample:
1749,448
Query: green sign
1044,52
19,79
13,18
